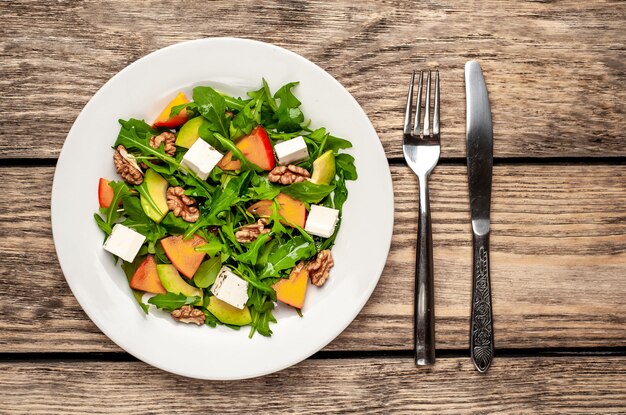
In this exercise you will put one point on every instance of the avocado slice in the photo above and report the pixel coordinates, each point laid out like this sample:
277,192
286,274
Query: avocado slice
189,132
157,189
324,168
174,283
228,314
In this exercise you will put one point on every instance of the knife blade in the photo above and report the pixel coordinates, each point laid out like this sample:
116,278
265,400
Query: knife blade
479,142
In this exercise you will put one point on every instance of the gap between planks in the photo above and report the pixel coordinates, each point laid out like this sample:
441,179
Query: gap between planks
335,354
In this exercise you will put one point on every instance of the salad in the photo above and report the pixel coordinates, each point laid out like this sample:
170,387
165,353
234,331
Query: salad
225,206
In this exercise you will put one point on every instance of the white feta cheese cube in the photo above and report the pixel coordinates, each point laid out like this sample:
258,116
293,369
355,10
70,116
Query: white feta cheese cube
230,288
124,242
201,158
321,221
291,151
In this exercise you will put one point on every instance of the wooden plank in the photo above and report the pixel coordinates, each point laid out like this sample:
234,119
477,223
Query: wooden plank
583,385
555,71
558,262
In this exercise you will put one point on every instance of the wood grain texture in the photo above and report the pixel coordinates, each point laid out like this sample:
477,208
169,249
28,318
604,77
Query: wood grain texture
555,70
558,260
587,385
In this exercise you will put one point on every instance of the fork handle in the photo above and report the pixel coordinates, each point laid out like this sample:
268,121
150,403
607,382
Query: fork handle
424,284
481,333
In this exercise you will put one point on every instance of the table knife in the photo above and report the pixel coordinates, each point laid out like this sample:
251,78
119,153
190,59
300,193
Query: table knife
479,136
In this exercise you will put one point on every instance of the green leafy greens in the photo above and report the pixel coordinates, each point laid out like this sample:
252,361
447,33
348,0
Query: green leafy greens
223,199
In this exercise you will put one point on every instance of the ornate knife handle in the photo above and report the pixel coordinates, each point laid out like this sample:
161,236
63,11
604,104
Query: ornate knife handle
481,334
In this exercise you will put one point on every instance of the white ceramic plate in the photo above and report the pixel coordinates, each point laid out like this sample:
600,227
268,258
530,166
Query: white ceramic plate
141,90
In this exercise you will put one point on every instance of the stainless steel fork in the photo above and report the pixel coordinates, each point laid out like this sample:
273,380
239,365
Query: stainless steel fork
421,152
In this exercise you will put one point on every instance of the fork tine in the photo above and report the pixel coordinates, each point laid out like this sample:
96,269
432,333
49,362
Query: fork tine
427,109
409,105
418,110
436,110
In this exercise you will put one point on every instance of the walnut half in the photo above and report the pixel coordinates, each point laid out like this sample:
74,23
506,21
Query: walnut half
249,233
188,314
126,166
166,137
320,267
182,205
288,174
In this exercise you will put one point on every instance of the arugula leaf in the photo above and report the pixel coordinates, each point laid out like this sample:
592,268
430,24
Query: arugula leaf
336,143
216,174
242,213
104,227
234,103
151,248
277,219
163,169
265,105
308,192
120,189
288,116
208,135
139,128
135,134
265,252
261,319
172,301
341,193
249,275
133,209
159,254
251,255
190,107
197,188
286,97
228,231
289,119
212,247
304,233
223,199
287,255
284,136
268,95
228,196
174,225
129,269
207,272
212,105
248,118
262,188
261,308
345,163
320,136
209,319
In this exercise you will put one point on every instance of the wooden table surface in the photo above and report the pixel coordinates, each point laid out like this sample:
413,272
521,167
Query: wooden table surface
556,73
